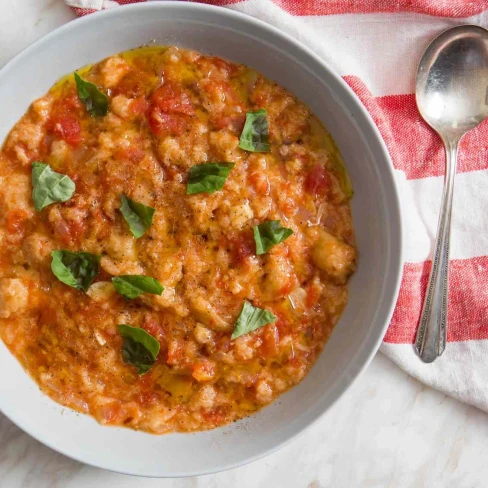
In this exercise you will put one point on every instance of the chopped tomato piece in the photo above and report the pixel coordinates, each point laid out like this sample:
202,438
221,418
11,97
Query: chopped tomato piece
171,99
167,114
148,397
153,327
317,182
130,86
15,221
68,128
64,120
222,64
139,106
260,182
242,246
216,93
313,295
70,103
162,123
232,122
271,340
214,65
228,111
284,322
61,228
76,229
131,153
69,231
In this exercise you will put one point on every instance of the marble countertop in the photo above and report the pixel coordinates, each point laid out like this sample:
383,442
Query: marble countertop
388,430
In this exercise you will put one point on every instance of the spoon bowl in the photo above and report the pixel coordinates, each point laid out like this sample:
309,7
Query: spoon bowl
452,97
452,79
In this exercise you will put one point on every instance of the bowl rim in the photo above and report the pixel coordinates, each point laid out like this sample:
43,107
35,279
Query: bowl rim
394,210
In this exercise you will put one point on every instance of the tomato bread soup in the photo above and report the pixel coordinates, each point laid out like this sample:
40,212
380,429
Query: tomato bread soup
176,240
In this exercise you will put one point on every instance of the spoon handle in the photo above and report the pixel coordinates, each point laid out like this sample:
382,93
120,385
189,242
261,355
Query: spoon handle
431,334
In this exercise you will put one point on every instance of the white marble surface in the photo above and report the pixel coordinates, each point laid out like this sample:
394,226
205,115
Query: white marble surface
387,431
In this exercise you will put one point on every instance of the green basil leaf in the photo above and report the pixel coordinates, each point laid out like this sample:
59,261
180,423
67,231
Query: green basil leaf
255,135
139,348
138,216
251,318
268,234
76,269
131,286
49,186
208,177
95,101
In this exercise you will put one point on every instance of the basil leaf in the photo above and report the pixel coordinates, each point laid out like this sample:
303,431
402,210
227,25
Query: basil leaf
208,177
131,286
138,216
268,234
76,269
49,186
95,101
255,135
251,318
139,348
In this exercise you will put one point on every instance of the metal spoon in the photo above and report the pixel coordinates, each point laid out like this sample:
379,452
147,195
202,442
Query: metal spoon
452,97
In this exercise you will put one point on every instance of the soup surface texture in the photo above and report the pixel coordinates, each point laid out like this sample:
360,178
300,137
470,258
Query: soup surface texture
176,240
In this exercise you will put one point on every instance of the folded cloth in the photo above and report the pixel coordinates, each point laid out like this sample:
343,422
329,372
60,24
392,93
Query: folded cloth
376,45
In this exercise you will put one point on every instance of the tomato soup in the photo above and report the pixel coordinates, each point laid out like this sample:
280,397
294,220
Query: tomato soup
176,240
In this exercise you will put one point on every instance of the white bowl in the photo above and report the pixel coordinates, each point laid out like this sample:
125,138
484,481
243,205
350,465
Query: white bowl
376,214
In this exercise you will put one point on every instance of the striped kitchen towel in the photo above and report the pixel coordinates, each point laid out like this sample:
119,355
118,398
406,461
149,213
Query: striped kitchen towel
376,45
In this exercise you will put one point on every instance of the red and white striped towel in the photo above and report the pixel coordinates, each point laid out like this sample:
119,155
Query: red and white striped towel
375,45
